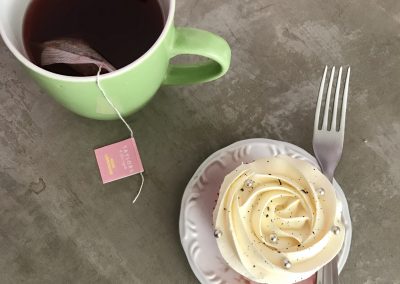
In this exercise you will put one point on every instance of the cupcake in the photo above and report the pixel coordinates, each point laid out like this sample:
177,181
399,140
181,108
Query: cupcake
277,220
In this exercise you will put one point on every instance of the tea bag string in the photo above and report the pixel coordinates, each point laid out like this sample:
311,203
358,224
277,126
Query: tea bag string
124,121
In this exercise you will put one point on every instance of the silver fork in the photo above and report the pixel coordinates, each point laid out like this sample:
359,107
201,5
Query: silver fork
328,147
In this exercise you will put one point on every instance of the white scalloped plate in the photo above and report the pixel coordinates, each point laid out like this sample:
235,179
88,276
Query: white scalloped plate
195,223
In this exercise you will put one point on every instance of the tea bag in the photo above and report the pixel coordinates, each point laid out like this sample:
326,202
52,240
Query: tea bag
76,53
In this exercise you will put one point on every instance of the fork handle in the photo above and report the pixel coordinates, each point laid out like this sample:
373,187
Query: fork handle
329,171
329,273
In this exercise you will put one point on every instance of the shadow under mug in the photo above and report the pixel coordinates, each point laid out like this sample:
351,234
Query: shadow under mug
132,86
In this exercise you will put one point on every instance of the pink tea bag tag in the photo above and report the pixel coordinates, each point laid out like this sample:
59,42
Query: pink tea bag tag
118,160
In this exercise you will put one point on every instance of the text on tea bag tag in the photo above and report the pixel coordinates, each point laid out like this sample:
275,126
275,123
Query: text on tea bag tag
119,160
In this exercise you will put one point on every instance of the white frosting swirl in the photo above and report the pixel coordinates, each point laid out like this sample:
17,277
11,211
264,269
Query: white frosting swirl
273,211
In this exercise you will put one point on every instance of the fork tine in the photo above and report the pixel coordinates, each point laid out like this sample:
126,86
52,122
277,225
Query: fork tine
335,104
344,104
319,102
328,99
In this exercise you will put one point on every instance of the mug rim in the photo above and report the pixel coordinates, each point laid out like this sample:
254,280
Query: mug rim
44,72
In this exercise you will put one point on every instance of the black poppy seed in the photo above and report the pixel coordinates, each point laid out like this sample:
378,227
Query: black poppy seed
254,266
242,189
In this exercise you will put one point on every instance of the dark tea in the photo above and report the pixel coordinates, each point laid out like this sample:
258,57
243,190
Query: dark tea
119,30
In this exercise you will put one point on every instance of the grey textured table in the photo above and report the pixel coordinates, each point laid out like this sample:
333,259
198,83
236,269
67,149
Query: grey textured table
59,224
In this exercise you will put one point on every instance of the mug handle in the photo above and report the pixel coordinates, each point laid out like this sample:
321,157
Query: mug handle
198,42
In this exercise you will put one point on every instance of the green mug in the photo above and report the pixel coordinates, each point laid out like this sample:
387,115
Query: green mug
132,86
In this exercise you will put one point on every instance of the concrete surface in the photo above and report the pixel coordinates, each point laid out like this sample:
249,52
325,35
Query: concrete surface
59,224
